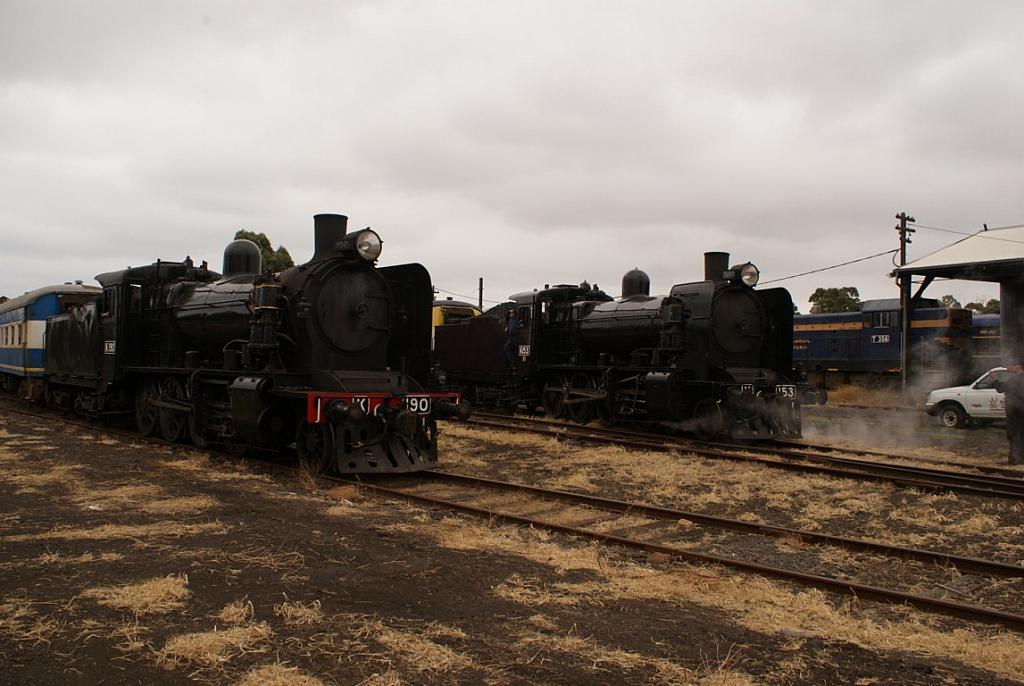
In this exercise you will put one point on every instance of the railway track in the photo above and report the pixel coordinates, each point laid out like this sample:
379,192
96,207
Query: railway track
650,528
830,449
655,530
805,459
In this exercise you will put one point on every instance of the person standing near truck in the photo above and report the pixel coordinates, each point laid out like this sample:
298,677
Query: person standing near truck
1012,387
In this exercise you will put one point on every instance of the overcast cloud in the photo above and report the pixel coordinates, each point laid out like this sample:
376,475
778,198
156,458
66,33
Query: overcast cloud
525,142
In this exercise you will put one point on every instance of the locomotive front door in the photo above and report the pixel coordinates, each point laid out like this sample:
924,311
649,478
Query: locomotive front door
110,309
524,349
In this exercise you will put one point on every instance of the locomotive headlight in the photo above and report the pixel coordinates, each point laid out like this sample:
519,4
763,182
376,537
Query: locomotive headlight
749,274
368,245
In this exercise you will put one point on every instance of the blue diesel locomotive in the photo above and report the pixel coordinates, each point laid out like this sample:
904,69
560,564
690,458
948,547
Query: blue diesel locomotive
862,346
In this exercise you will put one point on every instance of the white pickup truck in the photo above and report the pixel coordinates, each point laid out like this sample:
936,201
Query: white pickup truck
977,402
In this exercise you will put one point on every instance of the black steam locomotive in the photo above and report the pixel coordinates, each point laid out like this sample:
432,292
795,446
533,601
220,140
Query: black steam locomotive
714,357
333,355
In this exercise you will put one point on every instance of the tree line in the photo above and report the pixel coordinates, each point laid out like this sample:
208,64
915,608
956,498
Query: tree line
847,299
274,261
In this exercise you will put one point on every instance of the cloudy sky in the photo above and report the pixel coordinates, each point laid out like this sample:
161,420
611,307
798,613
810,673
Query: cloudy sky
525,142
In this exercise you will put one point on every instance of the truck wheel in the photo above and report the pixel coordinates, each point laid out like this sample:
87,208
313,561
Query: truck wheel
953,417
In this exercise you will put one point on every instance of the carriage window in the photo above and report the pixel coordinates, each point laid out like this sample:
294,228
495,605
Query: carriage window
545,312
524,316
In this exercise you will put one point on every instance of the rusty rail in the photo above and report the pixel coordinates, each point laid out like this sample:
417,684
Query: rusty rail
946,607
791,460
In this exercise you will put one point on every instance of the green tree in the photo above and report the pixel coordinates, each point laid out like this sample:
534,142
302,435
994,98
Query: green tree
991,307
844,299
274,261
949,301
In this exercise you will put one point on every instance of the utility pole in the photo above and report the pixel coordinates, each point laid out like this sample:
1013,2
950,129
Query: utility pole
905,286
480,304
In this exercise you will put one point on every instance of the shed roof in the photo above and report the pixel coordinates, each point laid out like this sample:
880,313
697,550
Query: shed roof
992,255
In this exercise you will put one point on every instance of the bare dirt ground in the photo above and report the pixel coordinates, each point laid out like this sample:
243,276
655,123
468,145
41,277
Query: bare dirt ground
121,562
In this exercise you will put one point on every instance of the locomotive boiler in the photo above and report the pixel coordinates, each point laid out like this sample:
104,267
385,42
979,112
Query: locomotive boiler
712,357
331,356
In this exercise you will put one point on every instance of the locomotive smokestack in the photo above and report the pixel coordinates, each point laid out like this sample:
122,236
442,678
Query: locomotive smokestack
328,229
714,264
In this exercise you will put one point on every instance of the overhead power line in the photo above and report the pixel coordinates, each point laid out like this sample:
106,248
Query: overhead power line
980,234
834,266
469,298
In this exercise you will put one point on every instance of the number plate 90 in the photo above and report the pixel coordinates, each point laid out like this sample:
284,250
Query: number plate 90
419,404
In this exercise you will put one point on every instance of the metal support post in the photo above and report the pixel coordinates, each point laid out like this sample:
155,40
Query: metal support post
905,298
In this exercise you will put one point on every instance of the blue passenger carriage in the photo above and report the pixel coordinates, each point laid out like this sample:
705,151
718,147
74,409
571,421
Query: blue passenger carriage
23,333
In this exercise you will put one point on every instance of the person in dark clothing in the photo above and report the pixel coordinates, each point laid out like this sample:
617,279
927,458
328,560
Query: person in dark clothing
511,336
1012,386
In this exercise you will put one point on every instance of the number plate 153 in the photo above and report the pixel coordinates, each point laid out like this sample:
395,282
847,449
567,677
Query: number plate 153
786,391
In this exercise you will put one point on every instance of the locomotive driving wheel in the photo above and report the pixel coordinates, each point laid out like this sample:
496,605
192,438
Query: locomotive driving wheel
554,396
173,423
581,412
147,414
314,444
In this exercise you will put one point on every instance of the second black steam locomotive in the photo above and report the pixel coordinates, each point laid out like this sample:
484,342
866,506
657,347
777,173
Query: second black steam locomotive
332,355
713,357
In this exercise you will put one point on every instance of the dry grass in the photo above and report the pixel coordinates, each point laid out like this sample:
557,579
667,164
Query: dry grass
238,612
214,647
344,511
286,563
199,465
183,505
754,492
536,544
543,623
154,596
602,657
20,622
30,479
298,613
129,637
388,678
852,394
278,675
116,498
170,529
415,648
532,593
49,558
754,602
